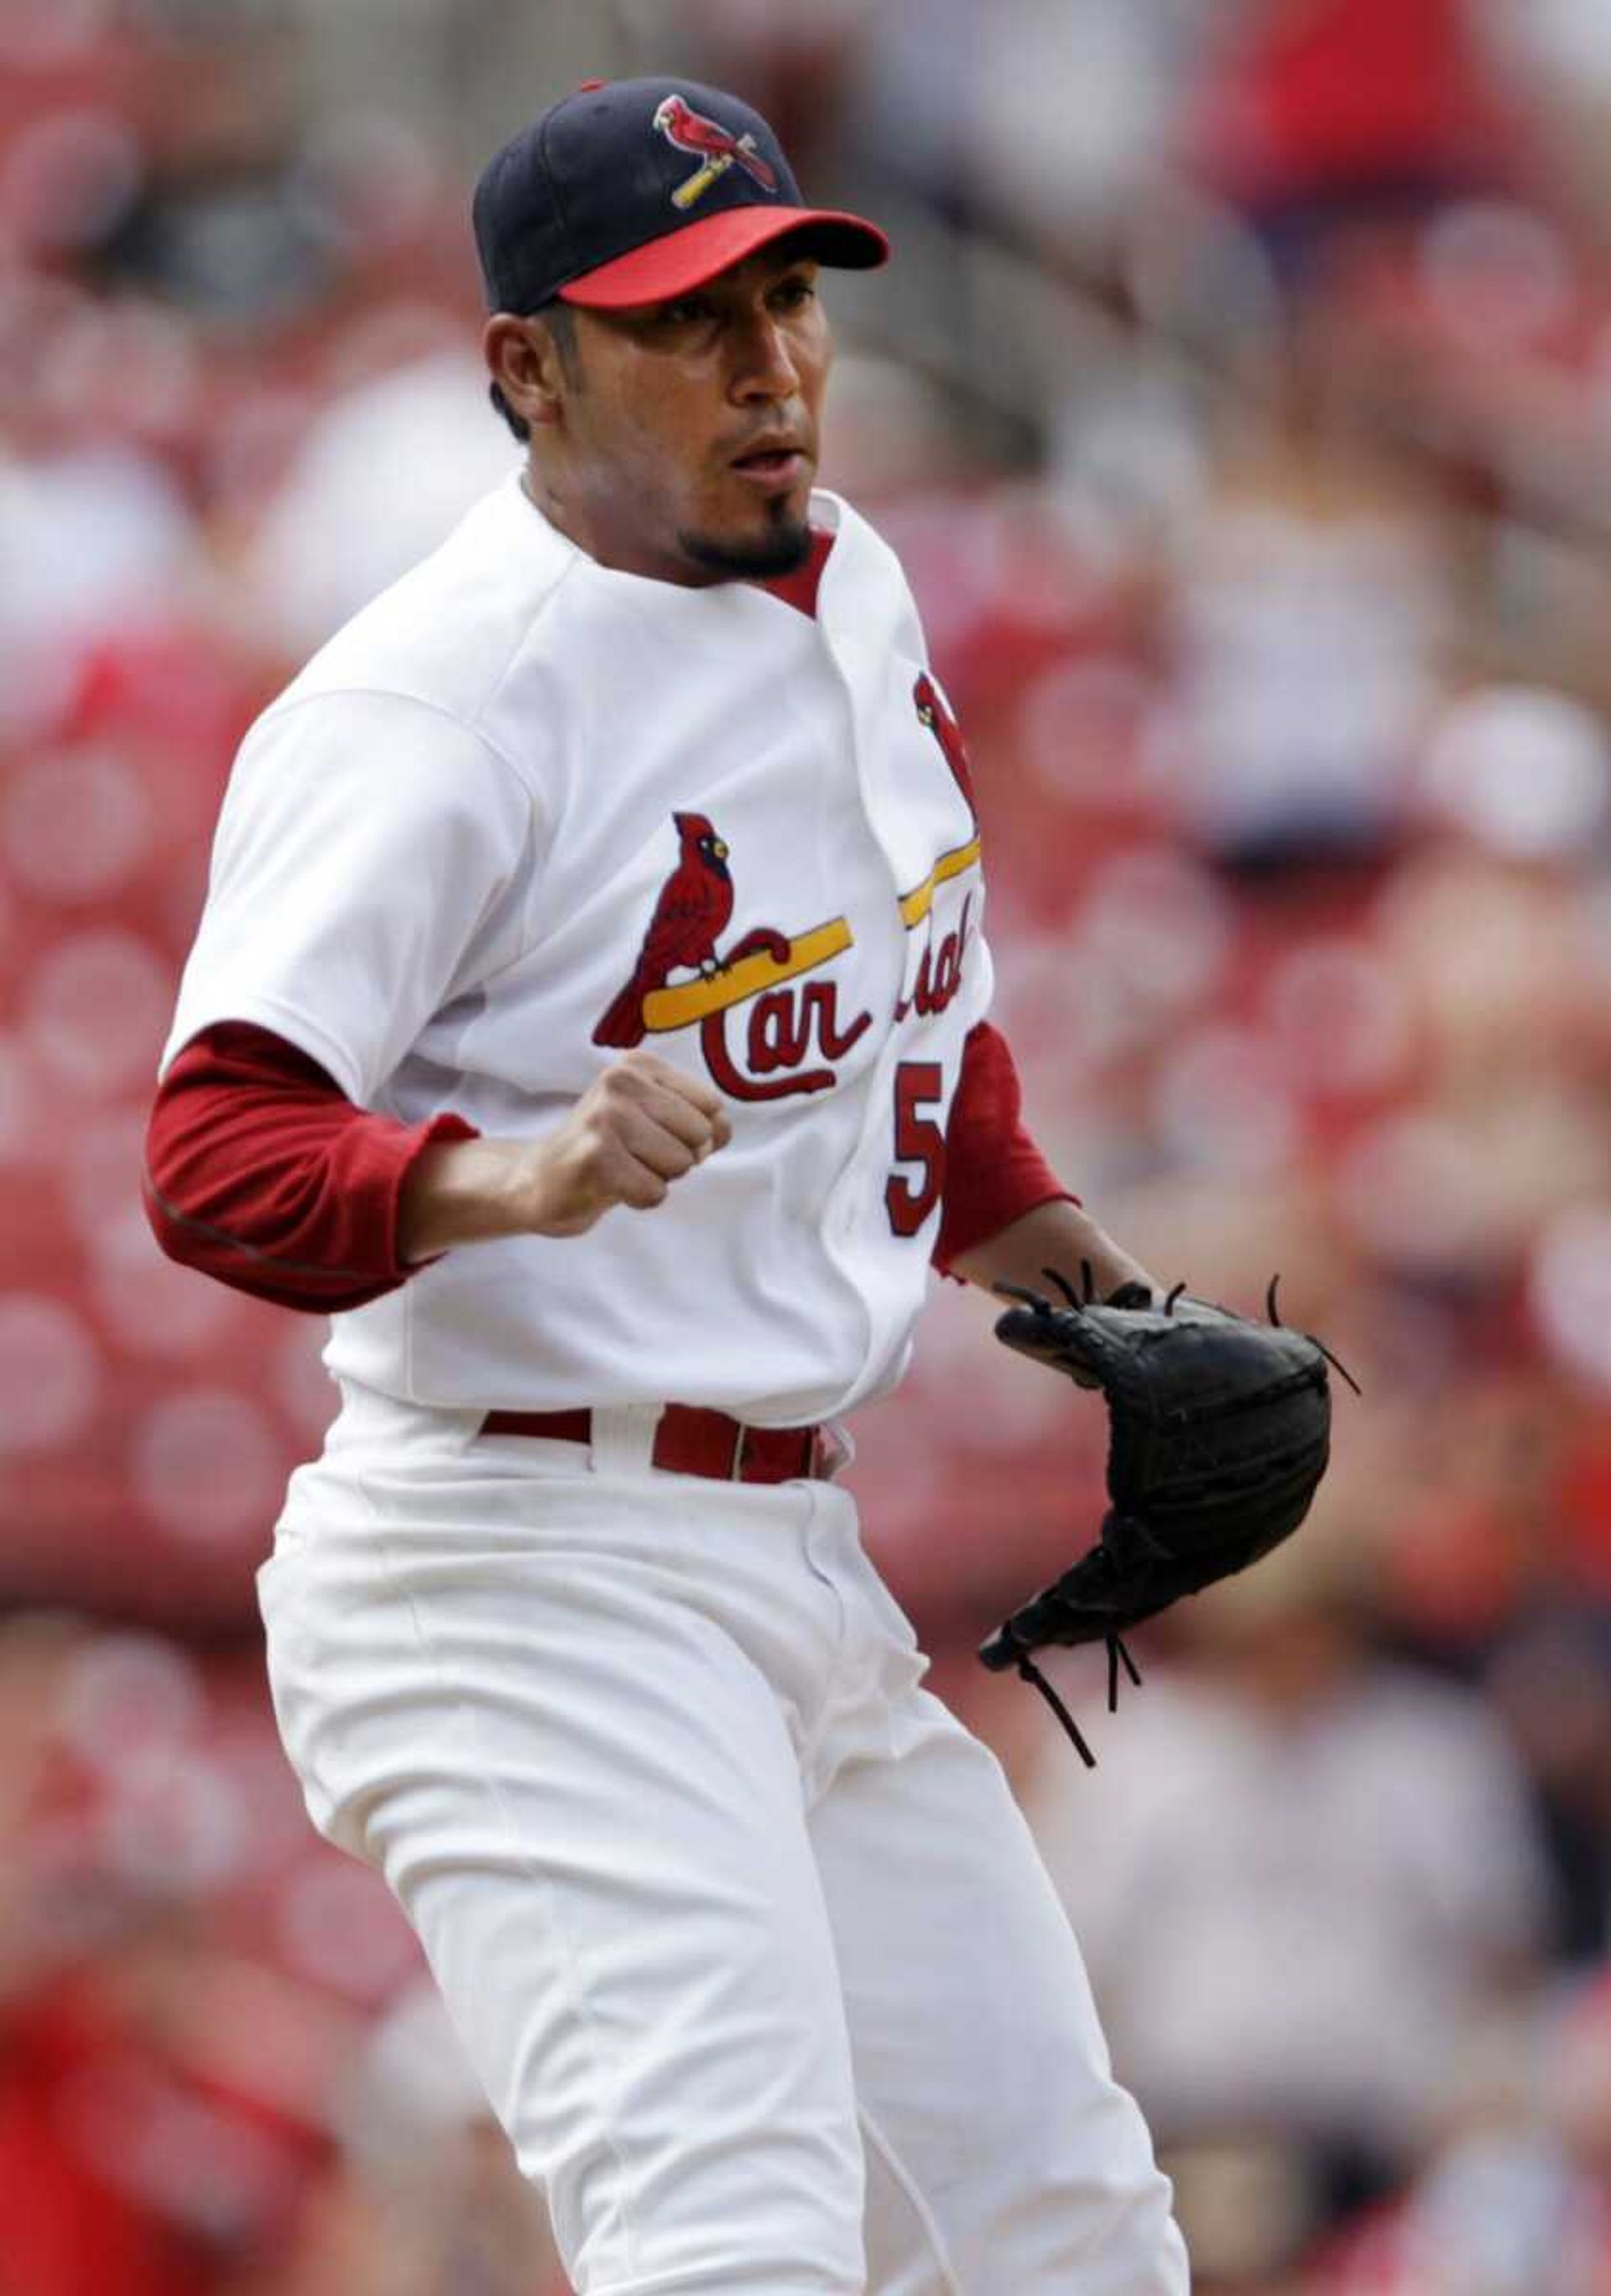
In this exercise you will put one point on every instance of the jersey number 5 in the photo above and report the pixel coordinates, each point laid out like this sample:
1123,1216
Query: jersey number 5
919,1142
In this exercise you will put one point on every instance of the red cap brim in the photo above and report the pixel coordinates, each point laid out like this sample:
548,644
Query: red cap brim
687,258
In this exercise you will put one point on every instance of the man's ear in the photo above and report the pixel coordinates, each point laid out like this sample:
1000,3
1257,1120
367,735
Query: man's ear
524,360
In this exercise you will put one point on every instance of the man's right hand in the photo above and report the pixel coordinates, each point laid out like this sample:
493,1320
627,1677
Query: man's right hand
639,1128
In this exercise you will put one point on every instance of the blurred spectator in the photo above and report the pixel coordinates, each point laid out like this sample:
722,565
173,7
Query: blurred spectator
1321,113
383,474
1308,609
1550,1680
1515,2196
1300,1873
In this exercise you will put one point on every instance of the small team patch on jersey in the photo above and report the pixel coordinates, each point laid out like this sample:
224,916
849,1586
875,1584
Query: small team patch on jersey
936,713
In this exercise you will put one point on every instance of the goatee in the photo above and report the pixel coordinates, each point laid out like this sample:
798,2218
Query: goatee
783,551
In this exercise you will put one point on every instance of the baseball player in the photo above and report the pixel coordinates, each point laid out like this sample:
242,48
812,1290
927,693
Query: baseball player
589,1012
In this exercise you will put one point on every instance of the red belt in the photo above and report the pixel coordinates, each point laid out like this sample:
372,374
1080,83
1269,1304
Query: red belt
690,1442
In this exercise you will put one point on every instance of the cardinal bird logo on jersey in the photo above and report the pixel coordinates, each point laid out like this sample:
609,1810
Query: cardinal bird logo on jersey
694,908
709,142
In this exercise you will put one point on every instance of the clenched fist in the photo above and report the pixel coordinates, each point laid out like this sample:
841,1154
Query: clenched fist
637,1129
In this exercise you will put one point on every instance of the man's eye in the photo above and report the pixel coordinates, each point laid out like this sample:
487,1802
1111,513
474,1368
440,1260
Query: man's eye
793,294
686,311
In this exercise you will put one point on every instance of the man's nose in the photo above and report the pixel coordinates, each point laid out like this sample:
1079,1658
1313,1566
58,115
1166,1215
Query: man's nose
765,366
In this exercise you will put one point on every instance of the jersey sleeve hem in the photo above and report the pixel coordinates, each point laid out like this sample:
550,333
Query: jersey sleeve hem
283,1020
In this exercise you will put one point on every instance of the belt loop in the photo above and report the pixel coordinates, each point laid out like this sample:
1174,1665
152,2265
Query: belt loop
623,1438
735,1473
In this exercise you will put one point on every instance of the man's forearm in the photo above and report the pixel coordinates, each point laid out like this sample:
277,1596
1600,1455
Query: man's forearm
1059,1236
463,1191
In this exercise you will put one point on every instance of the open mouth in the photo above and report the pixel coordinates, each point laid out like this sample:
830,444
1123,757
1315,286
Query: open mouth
777,466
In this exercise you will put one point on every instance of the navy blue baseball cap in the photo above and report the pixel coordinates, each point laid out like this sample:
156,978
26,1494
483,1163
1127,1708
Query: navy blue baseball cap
631,191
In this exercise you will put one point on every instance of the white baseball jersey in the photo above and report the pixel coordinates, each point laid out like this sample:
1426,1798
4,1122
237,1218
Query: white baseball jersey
525,810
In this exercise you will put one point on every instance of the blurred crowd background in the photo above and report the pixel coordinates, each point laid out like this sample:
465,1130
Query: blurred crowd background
1241,403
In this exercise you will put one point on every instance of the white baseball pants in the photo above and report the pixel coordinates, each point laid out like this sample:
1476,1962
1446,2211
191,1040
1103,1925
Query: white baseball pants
742,1931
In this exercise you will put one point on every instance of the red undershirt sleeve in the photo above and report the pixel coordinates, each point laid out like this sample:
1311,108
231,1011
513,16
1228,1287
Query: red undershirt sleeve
994,1171
260,1171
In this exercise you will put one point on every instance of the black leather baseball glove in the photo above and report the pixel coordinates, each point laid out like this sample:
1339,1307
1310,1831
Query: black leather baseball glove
1219,1434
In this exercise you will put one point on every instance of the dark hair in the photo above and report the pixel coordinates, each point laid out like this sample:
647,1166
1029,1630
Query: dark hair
560,320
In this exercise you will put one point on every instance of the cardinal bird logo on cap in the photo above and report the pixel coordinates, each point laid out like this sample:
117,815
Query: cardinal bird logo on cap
694,907
712,145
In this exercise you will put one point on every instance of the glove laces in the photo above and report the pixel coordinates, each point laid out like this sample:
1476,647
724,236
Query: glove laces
1029,1672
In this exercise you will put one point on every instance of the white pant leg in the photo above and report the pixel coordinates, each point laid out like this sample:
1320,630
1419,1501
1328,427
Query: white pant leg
1003,2159
563,1718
